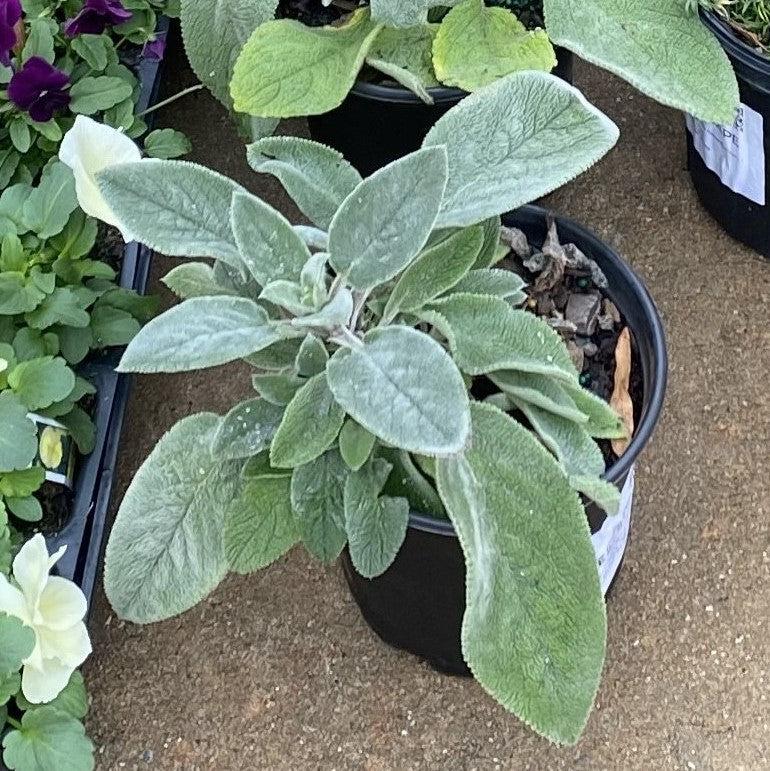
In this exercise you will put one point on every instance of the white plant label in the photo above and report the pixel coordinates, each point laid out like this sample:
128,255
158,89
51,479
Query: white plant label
610,542
735,153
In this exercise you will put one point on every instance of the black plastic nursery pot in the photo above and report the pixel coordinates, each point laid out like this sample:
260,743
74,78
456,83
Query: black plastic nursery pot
418,603
729,164
377,124
83,533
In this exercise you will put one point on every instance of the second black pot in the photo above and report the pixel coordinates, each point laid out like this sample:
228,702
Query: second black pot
729,164
375,124
418,603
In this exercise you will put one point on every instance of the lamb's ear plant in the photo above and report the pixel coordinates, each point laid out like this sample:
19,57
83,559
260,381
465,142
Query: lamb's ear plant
282,68
365,332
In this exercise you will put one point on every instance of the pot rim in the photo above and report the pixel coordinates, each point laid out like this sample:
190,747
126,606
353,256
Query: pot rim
734,46
591,243
401,95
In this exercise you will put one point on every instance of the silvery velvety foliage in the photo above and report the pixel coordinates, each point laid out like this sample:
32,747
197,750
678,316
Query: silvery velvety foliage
364,332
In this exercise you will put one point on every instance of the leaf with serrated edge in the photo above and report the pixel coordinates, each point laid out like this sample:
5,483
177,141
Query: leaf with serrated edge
434,272
269,246
287,69
477,45
356,444
662,48
317,500
247,429
310,424
535,627
18,641
166,551
200,332
488,335
260,527
499,160
18,439
572,445
49,739
174,207
214,34
376,525
384,223
540,390
316,177
403,387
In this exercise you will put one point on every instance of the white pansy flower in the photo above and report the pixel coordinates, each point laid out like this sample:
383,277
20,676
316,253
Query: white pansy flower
87,148
54,608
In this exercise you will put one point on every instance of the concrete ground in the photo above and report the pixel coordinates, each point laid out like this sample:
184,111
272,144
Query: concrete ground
278,670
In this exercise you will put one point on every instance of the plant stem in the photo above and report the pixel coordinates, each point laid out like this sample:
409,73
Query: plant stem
184,92
15,723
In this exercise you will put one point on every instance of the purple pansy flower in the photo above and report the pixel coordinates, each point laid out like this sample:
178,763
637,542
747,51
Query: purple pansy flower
154,49
10,13
38,88
95,16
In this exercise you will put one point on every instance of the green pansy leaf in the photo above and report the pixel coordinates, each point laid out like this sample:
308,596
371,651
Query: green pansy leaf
498,160
27,509
62,306
49,740
312,357
434,272
403,387
532,583
74,342
356,444
310,424
112,326
40,40
375,525
476,46
316,177
41,382
73,700
18,642
166,551
317,498
93,50
384,223
247,429
78,237
10,683
260,527
50,204
81,428
193,279
18,439
662,48
199,333
269,246
174,207
214,34
539,390
20,134
486,334
90,95
603,421
20,483
287,69
492,281
166,143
